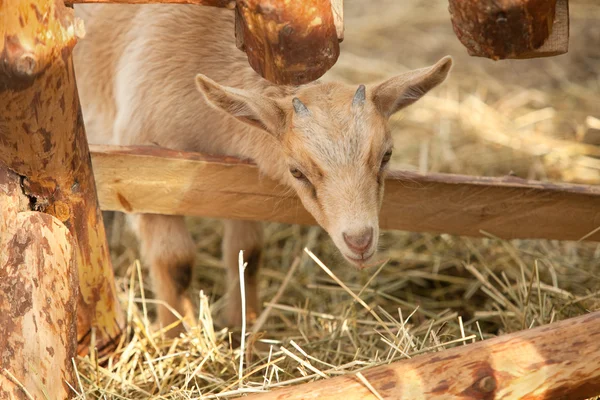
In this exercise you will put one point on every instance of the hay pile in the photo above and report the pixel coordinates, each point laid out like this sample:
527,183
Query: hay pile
436,291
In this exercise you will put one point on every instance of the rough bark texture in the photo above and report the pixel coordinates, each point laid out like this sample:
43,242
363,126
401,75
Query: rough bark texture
154,180
503,29
212,3
288,42
557,361
42,139
38,298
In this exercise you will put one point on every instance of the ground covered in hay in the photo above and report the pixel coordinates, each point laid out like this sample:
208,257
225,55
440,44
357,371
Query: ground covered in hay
490,118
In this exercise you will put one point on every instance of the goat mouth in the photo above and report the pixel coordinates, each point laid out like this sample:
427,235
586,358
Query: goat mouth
360,262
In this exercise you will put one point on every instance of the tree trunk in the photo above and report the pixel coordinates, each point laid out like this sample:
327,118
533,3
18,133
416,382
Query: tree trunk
42,139
38,289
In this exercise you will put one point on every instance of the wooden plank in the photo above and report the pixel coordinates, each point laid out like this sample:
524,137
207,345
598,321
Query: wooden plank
154,180
556,361
504,29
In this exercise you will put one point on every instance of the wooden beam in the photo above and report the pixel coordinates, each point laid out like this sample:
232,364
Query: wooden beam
502,29
556,361
42,139
154,180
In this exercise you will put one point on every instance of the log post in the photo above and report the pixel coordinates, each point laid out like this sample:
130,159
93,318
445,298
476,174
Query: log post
38,299
556,361
42,139
501,29
289,42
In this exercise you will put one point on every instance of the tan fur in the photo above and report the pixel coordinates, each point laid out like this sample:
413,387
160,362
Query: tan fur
136,70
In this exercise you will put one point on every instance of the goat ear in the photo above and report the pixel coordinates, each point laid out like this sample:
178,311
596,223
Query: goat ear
251,108
403,90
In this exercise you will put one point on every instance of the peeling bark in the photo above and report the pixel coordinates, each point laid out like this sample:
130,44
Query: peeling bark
38,299
42,138
288,42
556,361
502,29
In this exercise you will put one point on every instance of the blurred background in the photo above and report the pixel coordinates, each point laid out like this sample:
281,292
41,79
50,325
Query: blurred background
537,118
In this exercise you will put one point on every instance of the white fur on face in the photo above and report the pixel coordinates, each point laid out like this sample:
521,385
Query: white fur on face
334,138
338,146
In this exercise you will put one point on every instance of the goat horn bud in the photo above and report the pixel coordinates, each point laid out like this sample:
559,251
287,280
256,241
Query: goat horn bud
359,96
299,107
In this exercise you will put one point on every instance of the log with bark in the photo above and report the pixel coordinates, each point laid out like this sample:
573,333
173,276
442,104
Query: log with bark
42,139
288,42
501,29
556,361
38,299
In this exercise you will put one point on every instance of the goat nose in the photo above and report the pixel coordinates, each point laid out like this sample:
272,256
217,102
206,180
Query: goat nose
361,241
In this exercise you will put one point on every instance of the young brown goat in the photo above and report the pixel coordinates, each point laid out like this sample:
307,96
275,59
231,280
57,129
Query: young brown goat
328,141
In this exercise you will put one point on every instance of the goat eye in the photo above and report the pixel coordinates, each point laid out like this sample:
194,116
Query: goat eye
386,158
297,174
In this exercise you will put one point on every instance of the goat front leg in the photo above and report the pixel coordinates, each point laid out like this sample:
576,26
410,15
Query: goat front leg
168,249
246,236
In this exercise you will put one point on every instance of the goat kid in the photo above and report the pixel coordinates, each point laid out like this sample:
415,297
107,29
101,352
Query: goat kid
330,142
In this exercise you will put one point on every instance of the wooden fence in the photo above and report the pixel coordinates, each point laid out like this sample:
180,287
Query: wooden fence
161,181
50,218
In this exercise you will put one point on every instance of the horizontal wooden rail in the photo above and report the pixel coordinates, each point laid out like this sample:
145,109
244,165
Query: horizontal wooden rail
155,180
556,361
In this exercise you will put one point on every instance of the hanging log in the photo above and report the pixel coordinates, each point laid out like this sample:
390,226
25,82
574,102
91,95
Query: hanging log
557,361
502,29
38,299
42,139
288,42
161,181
